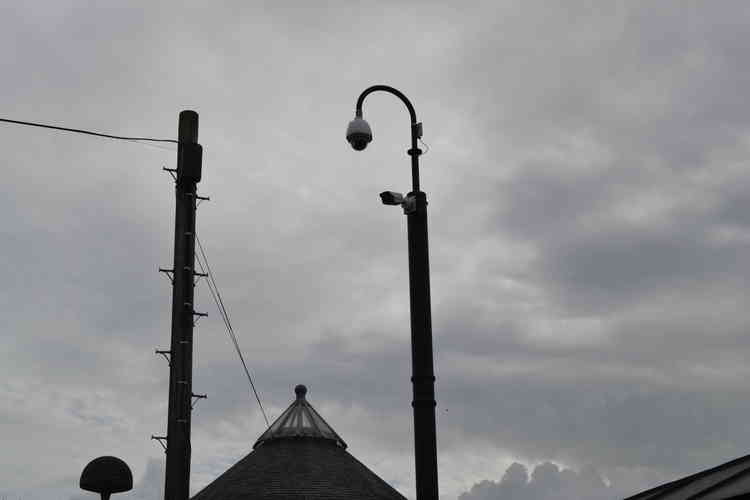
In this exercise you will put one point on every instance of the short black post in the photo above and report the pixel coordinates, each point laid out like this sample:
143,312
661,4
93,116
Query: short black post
189,156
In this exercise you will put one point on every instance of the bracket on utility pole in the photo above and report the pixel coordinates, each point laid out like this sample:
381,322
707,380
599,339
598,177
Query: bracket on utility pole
169,273
196,398
172,172
166,355
197,315
162,441
199,199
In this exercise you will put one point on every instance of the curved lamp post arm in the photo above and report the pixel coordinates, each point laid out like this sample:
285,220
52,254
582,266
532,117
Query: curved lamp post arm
416,127
390,90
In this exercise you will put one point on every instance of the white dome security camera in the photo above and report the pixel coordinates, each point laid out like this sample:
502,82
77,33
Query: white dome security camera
358,133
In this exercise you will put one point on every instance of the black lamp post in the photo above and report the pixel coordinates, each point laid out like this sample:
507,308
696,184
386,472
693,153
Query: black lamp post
423,378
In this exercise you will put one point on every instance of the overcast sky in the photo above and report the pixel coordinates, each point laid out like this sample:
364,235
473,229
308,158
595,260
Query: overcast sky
589,236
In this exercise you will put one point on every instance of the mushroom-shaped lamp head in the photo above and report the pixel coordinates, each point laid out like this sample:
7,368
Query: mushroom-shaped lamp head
106,475
358,133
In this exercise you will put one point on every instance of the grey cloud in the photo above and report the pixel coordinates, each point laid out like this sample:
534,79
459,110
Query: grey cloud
588,226
616,402
598,256
547,481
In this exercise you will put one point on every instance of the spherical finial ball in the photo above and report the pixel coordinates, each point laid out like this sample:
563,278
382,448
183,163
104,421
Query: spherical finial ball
300,391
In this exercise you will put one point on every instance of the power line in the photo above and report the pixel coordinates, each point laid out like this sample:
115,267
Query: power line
152,145
211,281
225,317
230,331
87,132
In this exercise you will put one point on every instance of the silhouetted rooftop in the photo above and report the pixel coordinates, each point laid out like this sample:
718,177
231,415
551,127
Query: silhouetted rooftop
299,457
729,481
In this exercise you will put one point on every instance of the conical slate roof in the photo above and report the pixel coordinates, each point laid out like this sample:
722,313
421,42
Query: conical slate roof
299,457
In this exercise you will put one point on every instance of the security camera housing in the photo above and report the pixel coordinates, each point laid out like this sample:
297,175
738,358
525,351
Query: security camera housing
358,133
391,198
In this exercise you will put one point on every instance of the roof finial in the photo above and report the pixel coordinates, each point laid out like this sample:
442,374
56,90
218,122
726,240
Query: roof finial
300,391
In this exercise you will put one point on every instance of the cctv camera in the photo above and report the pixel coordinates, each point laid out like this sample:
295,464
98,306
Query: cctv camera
391,198
358,133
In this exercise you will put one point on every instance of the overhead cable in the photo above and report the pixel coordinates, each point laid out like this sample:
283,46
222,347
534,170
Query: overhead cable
225,317
87,132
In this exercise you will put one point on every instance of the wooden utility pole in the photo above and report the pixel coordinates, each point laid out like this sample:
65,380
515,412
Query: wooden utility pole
188,174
